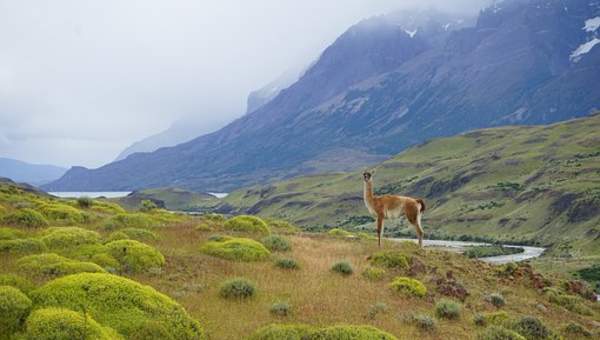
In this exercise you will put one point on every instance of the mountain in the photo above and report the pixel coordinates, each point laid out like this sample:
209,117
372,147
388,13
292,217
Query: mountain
387,83
527,184
265,94
35,174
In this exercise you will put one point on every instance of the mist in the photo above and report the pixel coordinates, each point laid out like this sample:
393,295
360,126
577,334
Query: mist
82,80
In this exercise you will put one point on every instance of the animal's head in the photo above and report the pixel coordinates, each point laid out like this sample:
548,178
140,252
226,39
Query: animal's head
368,175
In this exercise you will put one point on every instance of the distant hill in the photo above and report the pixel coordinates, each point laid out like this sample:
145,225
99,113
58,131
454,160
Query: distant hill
385,84
515,184
35,174
172,199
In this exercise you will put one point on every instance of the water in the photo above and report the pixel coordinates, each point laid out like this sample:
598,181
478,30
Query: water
460,246
91,194
219,194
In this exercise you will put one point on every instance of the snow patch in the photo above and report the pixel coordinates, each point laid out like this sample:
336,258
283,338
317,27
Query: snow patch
583,49
411,33
591,25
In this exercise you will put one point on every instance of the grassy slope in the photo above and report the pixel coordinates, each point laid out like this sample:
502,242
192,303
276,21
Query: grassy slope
171,198
513,183
317,295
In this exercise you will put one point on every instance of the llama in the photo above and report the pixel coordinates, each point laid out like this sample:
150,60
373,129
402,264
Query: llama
392,206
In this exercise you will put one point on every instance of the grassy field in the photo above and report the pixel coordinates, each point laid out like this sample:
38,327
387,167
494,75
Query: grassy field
170,254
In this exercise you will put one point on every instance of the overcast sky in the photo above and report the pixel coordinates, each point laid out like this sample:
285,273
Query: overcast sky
81,80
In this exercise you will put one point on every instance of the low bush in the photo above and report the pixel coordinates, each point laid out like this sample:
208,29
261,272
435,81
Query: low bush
148,205
338,232
25,217
342,267
276,243
423,322
282,226
106,261
448,309
62,213
287,264
247,224
60,323
376,309
126,220
69,237
365,236
10,234
495,318
237,288
139,234
16,281
219,238
280,309
218,218
499,333
570,302
390,259
135,256
576,330
409,287
493,250
531,328
105,207
236,249
22,246
496,299
123,304
14,307
117,235
280,332
85,202
373,273
52,265
350,332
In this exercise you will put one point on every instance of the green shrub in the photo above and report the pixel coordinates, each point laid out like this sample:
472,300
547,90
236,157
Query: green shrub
24,245
69,237
376,309
351,332
447,309
14,307
423,322
85,202
60,323
62,213
214,217
10,234
148,205
571,302
577,330
248,224
409,287
479,320
236,249
287,264
282,226
125,220
499,333
123,304
105,207
531,328
140,234
338,232
25,217
16,281
280,332
237,288
117,235
373,273
135,256
365,236
496,299
220,238
390,259
342,267
276,243
280,309
106,261
151,331
495,318
53,265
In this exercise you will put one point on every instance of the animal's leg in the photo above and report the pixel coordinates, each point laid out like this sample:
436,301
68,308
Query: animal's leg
413,215
419,228
379,228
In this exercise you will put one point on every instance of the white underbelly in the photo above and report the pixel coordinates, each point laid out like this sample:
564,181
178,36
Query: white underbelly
391,214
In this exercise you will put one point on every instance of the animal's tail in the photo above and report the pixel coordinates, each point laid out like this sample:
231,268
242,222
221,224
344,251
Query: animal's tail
422,203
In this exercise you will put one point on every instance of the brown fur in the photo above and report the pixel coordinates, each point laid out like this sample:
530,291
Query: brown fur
393,206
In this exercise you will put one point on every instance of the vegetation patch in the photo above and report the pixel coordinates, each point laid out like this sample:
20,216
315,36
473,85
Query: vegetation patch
135,256
351,332
570,302
16,281
423,322
61,323
409,287
531,328
69,237
343,267
138,234
236,249
488,251
52,265
448,309
287,264
276,243
495,318
10,234
237,288
25,217
85,202
574,329
376,309
499,333
338,232
283,331
22,246
496,299
390,259
63,213
373,273
282,226
14,307
125,220
247,224
280,309
125,305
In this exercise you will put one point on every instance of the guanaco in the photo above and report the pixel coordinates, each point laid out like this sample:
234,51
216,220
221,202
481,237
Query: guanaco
392,206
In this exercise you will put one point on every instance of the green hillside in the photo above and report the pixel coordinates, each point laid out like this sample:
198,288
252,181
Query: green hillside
170,198
538,184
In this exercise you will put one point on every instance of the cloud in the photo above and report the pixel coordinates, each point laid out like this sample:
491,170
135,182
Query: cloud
80,80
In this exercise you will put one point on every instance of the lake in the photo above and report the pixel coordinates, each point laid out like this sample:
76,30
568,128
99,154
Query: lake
91,194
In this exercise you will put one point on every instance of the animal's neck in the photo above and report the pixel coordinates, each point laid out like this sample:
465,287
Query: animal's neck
368,193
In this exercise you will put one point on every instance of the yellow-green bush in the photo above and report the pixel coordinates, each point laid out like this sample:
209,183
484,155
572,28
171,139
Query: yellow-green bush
390,259
236,249
69,237
135,256
365,236
495,318
23,245
283,331
448,309
499,333
350,332
408,286
10,234
62,213
53,265
342,267
276,243
16,281
117,235
282,226
247,224
106,261
61,323
123,304
125,220
25,217
140,234
373,274
338,232
105,207
570,302
14,307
